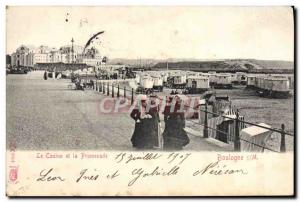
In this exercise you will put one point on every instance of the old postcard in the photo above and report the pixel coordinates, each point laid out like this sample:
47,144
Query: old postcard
150,101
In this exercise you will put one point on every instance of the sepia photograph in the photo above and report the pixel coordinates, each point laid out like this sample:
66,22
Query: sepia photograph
145,84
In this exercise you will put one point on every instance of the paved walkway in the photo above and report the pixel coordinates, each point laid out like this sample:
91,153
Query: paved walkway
49,115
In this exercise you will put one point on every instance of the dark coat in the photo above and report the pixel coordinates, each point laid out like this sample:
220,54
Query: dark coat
174,134
45,75
145,135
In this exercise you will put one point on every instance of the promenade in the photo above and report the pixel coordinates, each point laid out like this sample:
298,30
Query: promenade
48,115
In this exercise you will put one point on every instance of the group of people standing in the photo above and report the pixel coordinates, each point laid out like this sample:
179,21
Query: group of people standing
147,132
53,75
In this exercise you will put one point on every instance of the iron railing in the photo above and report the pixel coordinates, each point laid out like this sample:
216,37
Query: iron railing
108,89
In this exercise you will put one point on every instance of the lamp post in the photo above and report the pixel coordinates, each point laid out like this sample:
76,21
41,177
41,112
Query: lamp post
72,41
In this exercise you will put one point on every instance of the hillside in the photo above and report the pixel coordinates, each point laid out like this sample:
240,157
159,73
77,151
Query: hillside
227,65
244,65
273,64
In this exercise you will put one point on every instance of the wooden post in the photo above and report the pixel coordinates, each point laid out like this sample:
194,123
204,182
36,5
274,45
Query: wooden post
125,91
205,130
93,86
100,87
107,88
237,144
131,96
118,92
103,90
112,90
96,86
199,114
282,142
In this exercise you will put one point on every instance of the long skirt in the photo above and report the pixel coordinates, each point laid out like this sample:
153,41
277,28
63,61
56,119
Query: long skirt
175,137
145,135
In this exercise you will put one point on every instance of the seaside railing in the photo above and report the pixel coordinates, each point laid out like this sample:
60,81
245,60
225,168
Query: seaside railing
109,88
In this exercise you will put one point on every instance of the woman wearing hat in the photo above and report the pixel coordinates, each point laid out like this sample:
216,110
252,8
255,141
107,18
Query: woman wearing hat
145,135
174,135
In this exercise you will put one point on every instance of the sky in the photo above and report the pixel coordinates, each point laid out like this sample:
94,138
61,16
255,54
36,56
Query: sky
158,32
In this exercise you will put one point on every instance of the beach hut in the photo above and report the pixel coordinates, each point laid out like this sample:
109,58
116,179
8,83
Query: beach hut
241,78
234,78
253,136
178,80
251,81
157,82
280,88
212,78
223,81
268,82
261,83
146,82
165,77
197,84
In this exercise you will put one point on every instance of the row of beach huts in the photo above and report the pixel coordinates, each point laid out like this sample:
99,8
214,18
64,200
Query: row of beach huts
277,86
267,85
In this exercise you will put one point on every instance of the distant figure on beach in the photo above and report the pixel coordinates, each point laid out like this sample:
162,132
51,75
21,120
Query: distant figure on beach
45,75
145,135
174,135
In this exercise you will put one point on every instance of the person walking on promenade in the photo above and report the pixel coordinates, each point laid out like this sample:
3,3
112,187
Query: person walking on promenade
145,135
45,75
174,135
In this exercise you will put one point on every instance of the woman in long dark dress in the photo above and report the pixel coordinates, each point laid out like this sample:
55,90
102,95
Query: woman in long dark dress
174,135
45,75
145,135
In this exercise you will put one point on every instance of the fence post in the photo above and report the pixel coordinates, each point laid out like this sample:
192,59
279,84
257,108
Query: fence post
205,130
199,114
107,88
237,144
131,96
125,91
100,87
112,90
118,92
103,90
96,86
282,142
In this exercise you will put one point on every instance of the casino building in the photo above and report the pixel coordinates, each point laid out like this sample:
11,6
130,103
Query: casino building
29,56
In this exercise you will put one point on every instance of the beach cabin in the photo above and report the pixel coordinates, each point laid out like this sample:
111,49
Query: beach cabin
261,83
290,77
234,78
165,78
241,78
157,83
258,81
255,135
223,81
146,82
212,78
280,88
177,81
251,81
197,84
145,85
